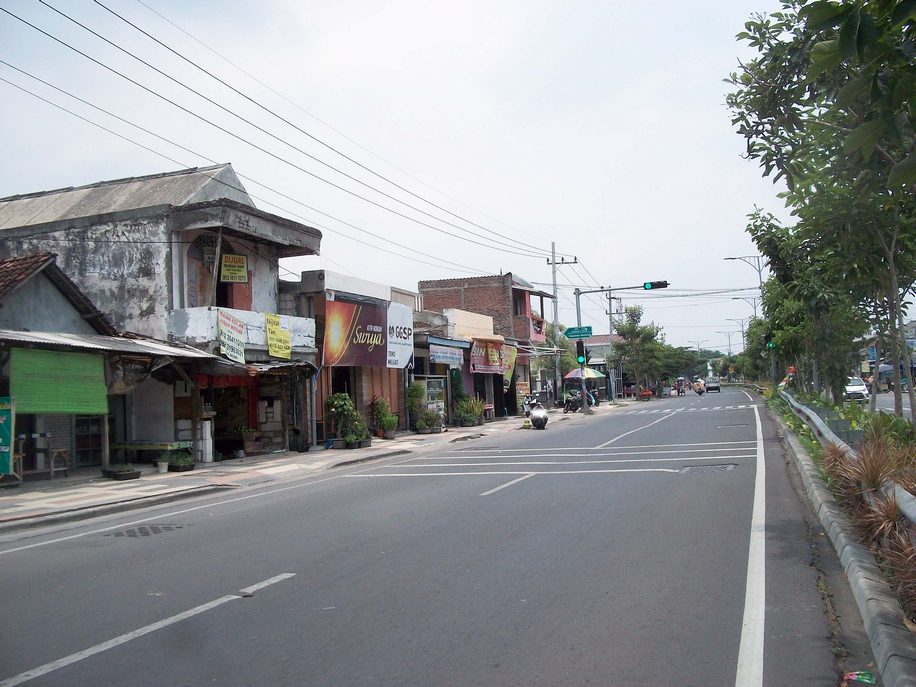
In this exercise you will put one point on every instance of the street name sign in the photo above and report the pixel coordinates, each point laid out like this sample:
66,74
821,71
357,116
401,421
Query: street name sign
578,332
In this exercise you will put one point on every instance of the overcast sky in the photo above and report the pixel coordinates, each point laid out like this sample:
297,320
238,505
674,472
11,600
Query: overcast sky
598,125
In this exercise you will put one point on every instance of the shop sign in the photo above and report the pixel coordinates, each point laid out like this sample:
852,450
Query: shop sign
232,336
523,388
234,269
7,433
510,354
445,355
400,335
279,341
355,335
486,357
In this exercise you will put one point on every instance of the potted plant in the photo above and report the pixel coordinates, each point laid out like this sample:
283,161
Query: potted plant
362,433
476,407
389,425
416,394
352,440
378,409
432,419
121,471
162,462
422,427
181,461
249,439
340,417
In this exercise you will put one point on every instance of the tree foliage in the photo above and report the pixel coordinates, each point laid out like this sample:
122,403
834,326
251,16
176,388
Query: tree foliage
828,105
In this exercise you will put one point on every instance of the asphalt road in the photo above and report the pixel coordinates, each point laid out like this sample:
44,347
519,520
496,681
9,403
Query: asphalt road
649,546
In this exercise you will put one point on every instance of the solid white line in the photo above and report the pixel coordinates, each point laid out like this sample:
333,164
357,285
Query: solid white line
566,462
577,454
266,583
751,398
507,472
123,639
638,429
588,448
750,653
507,484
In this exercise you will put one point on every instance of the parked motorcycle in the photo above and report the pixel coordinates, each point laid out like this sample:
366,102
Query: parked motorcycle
573,403
538,416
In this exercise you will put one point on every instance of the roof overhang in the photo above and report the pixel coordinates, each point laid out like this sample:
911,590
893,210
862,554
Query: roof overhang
235,219
104,344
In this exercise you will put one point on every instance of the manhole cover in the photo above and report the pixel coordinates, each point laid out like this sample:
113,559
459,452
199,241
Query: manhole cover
144,531
700,469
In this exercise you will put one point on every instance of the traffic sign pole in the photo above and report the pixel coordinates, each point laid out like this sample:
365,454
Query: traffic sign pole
586,408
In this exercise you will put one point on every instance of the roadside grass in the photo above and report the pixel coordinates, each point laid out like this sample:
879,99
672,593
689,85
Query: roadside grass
886,454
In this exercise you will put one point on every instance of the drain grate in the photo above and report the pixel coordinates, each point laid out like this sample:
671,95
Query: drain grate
145,531
702,469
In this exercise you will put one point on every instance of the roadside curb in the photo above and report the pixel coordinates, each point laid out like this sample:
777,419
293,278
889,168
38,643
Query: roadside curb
893,645
28,522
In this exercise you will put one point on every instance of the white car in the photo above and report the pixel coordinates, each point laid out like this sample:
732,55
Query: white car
856,389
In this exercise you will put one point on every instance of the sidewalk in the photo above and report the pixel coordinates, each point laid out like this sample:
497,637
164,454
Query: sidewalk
85,493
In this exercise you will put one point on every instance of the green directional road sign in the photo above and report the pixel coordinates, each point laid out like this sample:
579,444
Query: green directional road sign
578,332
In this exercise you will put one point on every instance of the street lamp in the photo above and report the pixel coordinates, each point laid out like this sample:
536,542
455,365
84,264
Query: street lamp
758,262
729,335
741,324
750,301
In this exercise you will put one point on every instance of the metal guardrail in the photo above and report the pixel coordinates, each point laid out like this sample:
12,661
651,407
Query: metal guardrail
906,502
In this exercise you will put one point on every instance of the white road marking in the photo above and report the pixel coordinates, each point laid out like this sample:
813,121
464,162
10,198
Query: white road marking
588,448
638,429
574,455
750,652
507,472
266,583
750,398
567,462
507,484
129,636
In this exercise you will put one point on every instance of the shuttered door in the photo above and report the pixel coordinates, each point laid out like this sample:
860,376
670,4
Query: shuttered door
55,382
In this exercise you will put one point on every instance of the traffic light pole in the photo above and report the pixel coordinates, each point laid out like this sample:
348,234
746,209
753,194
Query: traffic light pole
586,408
647,286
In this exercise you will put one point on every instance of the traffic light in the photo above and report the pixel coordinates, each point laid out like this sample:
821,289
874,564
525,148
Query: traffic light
655,285
580,352
767,341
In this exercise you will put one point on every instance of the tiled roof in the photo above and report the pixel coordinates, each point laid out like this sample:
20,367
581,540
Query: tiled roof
14,272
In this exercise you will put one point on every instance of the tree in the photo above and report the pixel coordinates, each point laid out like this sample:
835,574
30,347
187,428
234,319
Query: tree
828,106
639,350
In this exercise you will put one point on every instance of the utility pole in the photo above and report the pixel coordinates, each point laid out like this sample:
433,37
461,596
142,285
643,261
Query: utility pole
729,335
586,408
701,341
741,323
557,383
758,262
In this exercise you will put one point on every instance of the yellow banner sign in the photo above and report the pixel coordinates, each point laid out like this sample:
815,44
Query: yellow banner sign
234,269
279,341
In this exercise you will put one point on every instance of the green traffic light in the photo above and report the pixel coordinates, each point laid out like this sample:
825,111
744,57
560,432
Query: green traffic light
771,345
581,360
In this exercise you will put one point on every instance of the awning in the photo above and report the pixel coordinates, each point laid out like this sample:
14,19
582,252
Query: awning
93,342
497,338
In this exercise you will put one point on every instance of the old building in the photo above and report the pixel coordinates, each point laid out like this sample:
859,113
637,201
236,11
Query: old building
186,257
507,299
366,334
65,372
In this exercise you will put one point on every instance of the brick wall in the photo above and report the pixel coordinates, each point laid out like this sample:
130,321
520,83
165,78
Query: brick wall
484,295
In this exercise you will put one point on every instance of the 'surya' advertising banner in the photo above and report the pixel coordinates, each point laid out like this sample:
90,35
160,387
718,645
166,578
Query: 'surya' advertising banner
354,335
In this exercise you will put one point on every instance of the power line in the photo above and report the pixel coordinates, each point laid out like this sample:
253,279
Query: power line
306,133
326,124
254,145
285,210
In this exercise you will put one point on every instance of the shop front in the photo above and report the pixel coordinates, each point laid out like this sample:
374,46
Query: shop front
492,364
438,365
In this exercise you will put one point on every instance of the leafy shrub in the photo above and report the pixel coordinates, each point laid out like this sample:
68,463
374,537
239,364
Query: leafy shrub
389,422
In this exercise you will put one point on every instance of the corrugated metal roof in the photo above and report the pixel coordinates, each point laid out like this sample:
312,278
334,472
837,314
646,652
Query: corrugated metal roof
104,343
171,188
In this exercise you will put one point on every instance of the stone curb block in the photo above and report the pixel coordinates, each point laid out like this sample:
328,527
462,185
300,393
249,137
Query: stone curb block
108,508
893,646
